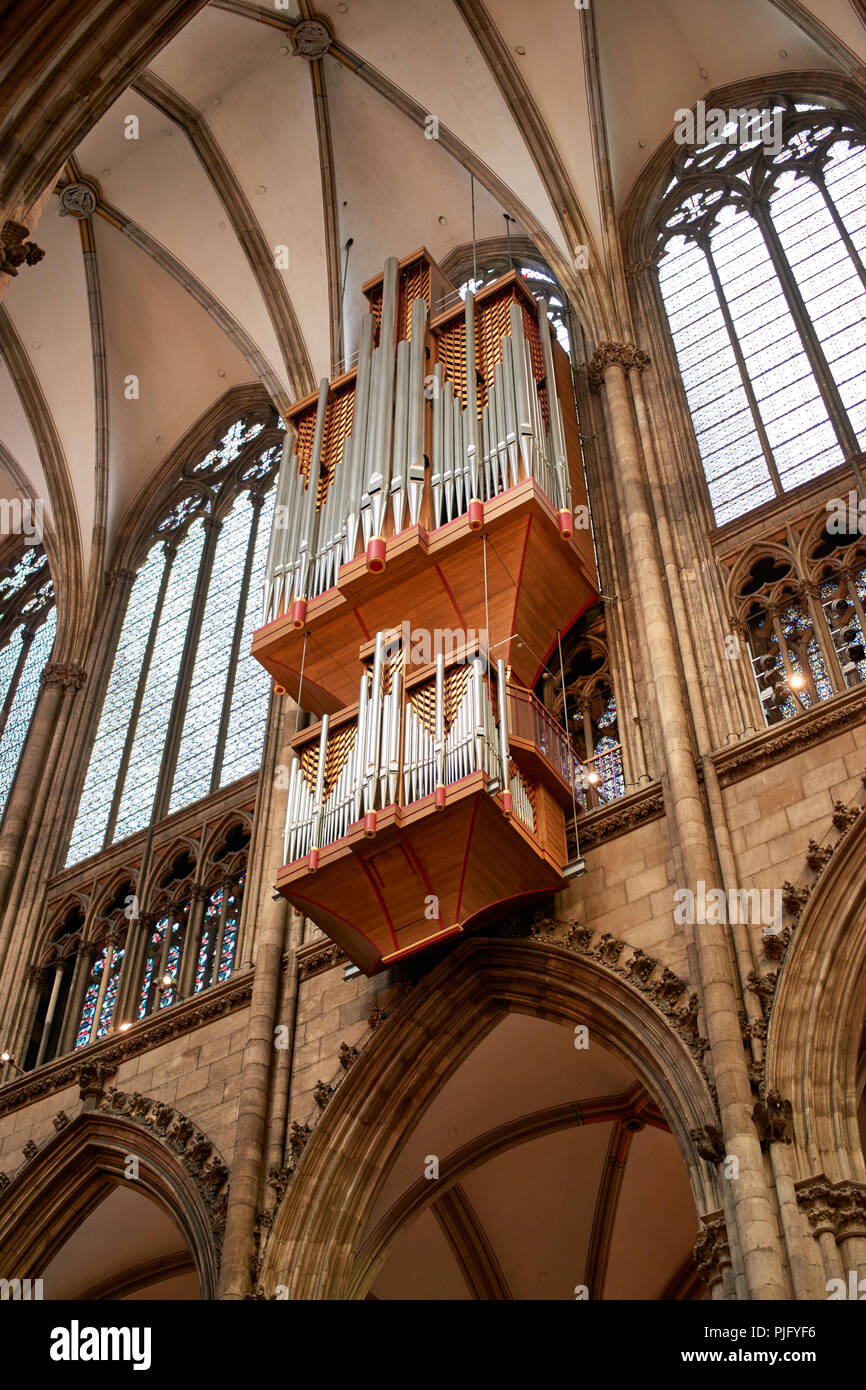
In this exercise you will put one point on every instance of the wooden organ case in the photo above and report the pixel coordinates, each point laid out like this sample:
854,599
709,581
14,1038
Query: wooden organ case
423,559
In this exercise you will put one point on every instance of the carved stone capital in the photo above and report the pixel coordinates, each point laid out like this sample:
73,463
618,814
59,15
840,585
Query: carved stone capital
636,268
624,355
836,1207
65,676
712,1251
850,1203
120,575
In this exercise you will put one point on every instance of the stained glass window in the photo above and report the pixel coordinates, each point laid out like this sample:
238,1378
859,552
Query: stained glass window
219,933
185,706
27,628
112,959
763,280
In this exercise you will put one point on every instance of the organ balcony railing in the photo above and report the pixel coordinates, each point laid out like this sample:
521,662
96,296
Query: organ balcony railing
435,801
442,474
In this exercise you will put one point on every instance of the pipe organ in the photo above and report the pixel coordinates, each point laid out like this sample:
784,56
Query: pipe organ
429,489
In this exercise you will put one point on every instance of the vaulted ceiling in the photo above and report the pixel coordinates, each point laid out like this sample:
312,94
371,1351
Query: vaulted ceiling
215,254
557,1178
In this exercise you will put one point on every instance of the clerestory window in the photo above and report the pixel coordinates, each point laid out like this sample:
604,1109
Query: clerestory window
762,270
185,707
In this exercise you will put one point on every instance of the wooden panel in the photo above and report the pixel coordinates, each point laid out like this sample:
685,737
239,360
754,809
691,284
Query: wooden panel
427,874
537,583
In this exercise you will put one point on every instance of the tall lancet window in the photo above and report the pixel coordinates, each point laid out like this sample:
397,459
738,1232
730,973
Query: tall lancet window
763,276
27,625
185,706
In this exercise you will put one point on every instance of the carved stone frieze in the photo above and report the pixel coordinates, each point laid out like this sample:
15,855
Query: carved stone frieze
325,957
618,817
92,1076
201,1160
664,989
764,750
172,1023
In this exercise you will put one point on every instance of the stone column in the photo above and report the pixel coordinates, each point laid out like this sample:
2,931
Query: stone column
49,1016
815,1197
56,679
259,1056
192,940
87,953
757,1228
850,1203
713,1256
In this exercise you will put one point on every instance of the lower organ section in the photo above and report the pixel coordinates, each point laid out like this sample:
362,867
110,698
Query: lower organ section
411,817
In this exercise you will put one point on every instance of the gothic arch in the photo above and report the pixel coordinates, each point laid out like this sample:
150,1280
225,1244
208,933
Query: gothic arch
637,220
817,1016
318,1228
74,1173
136,530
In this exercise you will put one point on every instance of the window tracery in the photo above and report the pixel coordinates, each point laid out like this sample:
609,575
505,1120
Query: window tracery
185,705
111,962
762,269
799,604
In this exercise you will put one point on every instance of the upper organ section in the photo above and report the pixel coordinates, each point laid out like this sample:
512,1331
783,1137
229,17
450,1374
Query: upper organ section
435,483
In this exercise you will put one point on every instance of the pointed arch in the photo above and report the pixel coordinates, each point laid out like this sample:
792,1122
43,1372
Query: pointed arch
817,1016
318,1228
74,1172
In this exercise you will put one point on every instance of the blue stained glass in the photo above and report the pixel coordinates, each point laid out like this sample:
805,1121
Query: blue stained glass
88,1012
209,676
141,780
210,672
110,995
233,913
23,704
95,805
230,446
154,954
171,968
91,997
203,973
9,660
249,707
31,561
